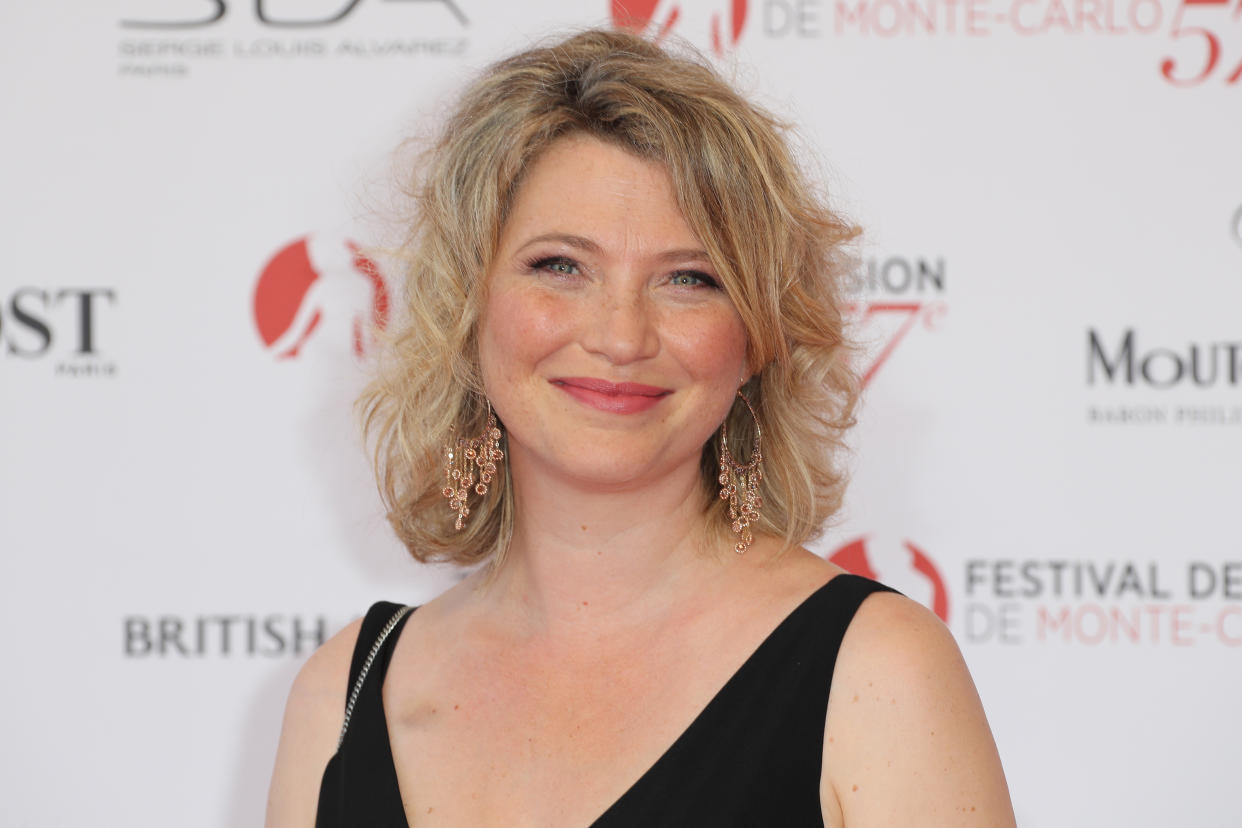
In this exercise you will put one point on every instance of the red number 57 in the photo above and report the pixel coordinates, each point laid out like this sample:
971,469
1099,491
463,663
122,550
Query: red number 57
1211,42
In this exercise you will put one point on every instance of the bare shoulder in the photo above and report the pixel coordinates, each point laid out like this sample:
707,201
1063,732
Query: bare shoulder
314,713
906,739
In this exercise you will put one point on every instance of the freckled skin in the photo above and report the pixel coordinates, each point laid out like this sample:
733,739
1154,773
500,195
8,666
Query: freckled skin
924,758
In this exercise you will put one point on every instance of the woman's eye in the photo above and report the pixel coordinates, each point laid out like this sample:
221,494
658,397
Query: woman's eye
556,264
692,278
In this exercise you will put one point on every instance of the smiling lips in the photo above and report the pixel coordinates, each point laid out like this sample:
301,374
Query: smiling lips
618,398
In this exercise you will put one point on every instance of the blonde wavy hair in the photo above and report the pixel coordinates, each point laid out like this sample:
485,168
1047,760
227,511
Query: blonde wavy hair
772,240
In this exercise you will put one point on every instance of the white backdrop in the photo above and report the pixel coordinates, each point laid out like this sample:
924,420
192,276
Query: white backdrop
1050,450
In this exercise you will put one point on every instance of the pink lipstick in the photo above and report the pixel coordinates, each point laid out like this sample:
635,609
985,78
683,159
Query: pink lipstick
617,398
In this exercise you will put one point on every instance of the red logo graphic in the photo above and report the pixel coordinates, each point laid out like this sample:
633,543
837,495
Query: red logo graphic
316,284
893,321
656,18
1201,60
908,569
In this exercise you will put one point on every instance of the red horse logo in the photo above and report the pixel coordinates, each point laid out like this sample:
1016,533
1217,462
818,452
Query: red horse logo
316,284
656,18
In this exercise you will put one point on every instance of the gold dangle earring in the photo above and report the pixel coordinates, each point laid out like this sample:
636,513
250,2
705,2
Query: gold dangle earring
462,457
739,484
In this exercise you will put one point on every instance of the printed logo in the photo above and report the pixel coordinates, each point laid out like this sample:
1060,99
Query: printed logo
1198,53
1201,376
1064,601
1196,50
167,38
1102,602
719,22
1202,364
222,636
892,297
904,567
61,324
323,288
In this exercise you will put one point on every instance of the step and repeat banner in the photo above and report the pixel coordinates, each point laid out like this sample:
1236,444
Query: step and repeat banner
1049,452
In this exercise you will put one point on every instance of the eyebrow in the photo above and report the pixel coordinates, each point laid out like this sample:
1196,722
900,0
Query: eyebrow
590,246
578,242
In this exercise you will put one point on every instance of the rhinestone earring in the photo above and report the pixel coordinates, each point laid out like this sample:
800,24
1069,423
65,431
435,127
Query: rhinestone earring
739,484
462,458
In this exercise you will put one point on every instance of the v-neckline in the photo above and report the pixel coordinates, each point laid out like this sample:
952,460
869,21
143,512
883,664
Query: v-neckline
677,744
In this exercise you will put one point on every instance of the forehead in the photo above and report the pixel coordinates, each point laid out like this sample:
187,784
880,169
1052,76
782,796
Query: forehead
584,186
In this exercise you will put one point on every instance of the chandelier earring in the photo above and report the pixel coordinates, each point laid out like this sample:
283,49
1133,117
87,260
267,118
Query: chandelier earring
739,483
464,458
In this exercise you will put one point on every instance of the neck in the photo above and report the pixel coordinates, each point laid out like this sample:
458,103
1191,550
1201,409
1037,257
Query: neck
580,558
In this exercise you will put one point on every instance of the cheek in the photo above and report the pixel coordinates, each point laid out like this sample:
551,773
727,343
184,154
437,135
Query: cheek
713,345
518,329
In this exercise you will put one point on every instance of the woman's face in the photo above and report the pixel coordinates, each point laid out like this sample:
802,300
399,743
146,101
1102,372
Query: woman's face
607,348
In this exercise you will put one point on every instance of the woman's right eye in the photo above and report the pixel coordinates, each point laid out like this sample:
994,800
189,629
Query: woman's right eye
556,264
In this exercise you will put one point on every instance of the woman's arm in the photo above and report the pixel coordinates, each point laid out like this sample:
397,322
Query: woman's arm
312,724
906,741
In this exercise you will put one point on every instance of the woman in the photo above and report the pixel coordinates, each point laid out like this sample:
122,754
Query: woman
626,329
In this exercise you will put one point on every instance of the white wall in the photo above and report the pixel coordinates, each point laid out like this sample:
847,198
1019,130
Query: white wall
1031,183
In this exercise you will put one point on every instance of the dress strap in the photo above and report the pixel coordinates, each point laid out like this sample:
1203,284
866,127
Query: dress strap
358,673
359,785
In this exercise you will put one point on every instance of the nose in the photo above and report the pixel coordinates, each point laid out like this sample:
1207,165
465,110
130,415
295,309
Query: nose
622,327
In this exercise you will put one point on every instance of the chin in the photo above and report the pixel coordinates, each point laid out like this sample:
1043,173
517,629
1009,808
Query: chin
594,468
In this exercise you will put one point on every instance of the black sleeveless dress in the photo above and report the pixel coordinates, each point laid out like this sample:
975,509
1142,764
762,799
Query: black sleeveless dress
751,758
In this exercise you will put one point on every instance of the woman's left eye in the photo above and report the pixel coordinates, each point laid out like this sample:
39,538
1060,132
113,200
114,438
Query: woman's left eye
692,278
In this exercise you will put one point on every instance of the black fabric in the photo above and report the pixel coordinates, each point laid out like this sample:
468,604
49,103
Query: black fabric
359,787
751,757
